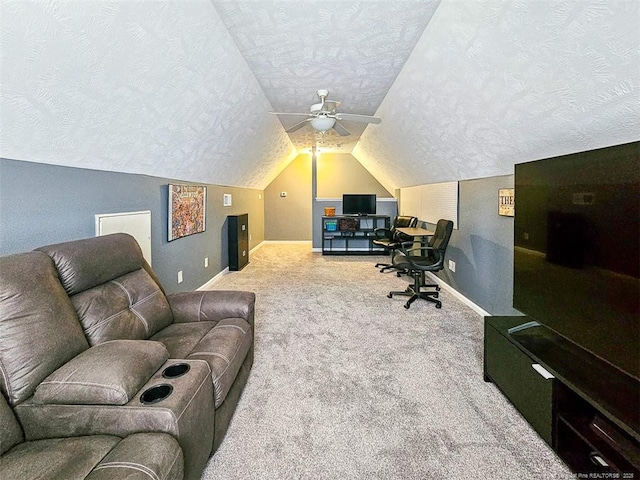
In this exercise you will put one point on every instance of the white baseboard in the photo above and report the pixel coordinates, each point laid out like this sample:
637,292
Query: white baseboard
287,241
210,283
257,247
457,294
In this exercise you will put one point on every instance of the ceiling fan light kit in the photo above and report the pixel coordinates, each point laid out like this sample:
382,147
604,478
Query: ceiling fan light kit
323,123
323,116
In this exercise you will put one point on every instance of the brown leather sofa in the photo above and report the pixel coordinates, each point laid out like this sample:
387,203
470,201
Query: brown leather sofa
90,345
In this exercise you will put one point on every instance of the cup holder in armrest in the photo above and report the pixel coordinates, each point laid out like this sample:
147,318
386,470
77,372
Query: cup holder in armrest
156,394
176,370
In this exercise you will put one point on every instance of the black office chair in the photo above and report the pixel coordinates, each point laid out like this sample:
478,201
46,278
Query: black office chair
391,239
423,259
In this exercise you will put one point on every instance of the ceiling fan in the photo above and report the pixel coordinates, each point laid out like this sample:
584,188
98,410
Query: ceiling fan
323,116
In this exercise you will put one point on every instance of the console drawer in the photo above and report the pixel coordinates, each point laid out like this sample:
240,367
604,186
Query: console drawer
513,373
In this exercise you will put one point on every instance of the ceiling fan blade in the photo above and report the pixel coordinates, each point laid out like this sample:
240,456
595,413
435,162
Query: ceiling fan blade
297,126
292,113
357,118
343,132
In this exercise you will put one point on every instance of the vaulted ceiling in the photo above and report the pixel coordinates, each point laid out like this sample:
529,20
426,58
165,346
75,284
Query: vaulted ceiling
183,89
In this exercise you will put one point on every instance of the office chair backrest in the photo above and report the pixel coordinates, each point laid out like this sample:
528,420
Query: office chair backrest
403,221
440,239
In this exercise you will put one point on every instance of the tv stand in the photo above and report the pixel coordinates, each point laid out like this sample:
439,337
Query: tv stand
584,408
352,234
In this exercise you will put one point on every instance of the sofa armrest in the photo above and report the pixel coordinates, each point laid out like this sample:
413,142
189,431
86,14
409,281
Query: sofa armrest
212,305
107,374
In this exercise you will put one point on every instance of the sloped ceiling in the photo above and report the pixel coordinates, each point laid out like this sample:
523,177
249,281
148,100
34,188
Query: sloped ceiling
494,83
182,89
151,87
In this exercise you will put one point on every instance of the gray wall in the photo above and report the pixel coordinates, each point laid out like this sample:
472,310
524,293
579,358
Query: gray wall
482,247
44,204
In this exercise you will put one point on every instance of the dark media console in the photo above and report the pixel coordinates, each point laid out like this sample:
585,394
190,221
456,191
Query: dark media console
352,234
587,410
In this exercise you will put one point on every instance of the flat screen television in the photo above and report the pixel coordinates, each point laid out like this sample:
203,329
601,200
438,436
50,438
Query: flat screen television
359,204
577,248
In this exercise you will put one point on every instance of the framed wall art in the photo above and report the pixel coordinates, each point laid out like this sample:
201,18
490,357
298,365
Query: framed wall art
506,202
187,210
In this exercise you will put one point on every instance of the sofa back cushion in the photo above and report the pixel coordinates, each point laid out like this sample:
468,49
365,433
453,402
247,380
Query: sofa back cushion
10,431
39,329
113,294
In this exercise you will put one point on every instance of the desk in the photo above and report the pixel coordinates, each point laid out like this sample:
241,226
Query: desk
416,232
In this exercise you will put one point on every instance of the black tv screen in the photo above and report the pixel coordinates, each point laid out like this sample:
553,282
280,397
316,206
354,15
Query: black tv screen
358,204
577,248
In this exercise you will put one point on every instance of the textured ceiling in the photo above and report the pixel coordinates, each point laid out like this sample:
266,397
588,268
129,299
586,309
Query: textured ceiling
495,83
152,87
182,89
354,49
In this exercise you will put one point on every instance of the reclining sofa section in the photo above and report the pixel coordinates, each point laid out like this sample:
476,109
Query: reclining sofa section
91,345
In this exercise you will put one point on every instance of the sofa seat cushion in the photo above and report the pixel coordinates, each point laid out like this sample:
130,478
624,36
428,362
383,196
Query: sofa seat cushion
10,430
142,456
68,458
96,457
181,338
108,374
224,348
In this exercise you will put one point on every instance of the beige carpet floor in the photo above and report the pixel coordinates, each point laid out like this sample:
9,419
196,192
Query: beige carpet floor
347,384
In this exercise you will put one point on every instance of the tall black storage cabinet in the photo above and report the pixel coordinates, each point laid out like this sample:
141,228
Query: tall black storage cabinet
238,241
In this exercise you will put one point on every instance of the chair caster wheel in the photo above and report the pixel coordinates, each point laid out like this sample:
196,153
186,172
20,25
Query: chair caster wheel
438,288
438,305
435,295
398,274
406,305
389,295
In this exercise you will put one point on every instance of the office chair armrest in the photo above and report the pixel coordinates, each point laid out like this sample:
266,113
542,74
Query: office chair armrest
383,233
406,247
438,256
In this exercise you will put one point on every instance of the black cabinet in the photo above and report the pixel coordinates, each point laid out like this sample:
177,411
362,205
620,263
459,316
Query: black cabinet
584,408
238,228
516,376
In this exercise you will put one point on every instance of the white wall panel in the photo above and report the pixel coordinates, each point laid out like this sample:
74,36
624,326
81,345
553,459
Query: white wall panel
431,202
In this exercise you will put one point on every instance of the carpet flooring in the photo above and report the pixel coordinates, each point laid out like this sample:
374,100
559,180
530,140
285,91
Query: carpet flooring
347,384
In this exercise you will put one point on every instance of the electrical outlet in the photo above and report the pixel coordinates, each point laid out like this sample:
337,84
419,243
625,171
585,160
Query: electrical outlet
249,237
179,276
452,265
283,194
206,262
